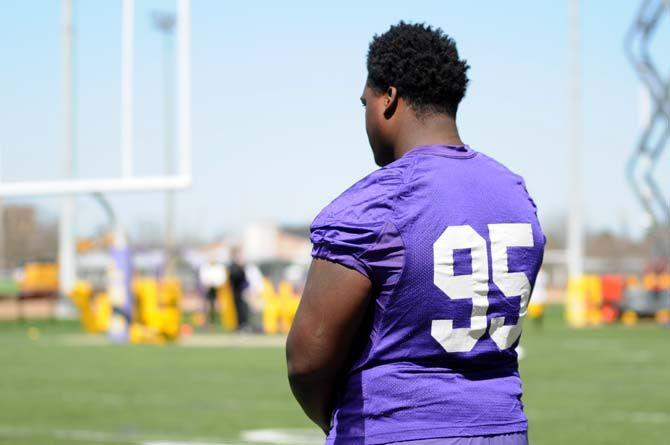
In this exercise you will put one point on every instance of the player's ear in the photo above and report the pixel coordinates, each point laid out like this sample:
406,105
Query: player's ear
390,102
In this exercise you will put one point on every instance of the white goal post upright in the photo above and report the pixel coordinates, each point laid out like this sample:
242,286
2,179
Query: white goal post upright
127,68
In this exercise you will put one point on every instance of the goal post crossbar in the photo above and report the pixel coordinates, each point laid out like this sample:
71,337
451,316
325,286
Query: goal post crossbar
102,185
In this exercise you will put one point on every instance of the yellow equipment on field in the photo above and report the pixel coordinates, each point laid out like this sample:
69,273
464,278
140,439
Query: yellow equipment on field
535,310
95,310
271,308
594,299
227,309
656,281
279,306
584,300
171,295
289,301
157,316
39,279
575,303
629,318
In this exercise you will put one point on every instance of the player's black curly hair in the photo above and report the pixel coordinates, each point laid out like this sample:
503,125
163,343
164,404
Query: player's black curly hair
422,63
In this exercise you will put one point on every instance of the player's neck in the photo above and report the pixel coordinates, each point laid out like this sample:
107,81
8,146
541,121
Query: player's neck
438,130
409,142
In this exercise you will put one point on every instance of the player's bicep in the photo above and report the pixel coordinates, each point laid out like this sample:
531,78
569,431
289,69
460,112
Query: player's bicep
330,312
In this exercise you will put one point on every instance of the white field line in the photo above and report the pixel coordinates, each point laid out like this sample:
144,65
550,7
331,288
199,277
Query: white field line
653,417
196,341
284,436
656,417
172,442
102,437
235,340
265,436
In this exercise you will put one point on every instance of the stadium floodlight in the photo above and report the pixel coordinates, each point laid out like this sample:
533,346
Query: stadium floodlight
165,23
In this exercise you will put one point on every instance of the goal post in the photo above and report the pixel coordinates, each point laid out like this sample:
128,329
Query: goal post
69,186
127,182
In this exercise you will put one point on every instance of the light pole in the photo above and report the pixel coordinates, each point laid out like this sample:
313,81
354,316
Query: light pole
2,237
165,24
2,224
575,248
66,243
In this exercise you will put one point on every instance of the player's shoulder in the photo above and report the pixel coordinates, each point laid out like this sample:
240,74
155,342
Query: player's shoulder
514,178
369,199
499,169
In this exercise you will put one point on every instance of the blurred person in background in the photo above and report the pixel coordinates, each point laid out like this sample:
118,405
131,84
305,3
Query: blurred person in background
212,276
238,283
253,295
295,274
421,272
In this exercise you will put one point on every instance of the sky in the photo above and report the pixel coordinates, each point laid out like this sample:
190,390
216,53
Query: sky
278,128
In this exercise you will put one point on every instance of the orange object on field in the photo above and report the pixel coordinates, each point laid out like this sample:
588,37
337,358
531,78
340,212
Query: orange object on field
664,281
650,281
609,313
632,281
662,316
612,288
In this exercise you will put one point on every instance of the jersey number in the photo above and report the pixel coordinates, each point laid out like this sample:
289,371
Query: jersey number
475,285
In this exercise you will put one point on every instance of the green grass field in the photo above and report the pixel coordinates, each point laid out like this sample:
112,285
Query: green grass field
608,385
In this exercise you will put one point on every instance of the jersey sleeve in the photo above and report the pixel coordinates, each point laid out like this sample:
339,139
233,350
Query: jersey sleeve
356,229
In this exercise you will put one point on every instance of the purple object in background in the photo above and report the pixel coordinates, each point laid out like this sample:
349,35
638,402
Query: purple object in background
451,242
120,291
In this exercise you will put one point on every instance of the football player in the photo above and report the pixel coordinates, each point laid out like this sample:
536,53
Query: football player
421,272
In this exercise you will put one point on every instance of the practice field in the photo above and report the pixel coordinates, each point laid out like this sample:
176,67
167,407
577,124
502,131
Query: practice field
593,386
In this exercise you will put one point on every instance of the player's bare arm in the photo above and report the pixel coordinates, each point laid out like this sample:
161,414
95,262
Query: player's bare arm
330,313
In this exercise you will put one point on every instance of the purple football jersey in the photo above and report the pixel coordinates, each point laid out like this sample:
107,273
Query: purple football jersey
450,240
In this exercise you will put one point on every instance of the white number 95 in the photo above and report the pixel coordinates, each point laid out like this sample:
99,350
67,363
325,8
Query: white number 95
475,285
